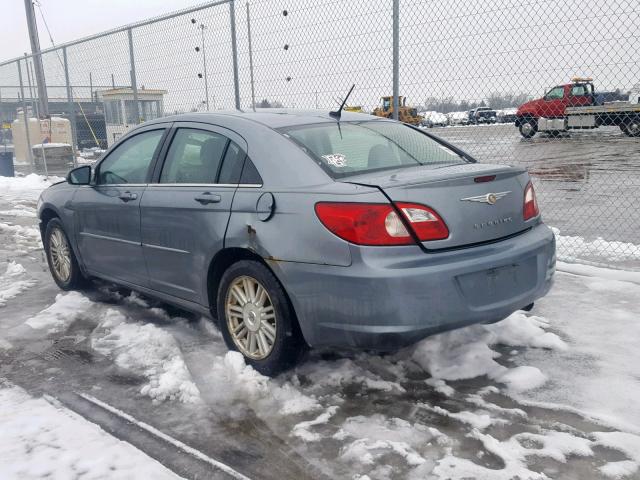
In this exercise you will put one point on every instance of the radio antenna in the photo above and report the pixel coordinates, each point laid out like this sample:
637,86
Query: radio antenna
338,113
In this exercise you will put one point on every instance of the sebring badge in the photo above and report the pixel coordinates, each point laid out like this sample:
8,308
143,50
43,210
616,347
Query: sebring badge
490,198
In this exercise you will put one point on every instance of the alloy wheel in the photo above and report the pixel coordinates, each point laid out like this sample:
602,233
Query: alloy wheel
60,255
251,317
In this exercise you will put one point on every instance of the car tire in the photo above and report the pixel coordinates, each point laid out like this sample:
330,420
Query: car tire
528,127
244,312
631,128
61,258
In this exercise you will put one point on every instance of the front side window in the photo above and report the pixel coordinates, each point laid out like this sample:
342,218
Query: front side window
555,93
194,157
360,147
129,162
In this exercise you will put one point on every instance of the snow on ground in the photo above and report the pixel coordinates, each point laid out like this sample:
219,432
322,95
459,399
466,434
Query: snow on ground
629,444
514,452
462,403
519,357
599,317
41,439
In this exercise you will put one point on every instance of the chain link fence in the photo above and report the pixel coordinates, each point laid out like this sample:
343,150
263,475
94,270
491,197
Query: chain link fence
460,69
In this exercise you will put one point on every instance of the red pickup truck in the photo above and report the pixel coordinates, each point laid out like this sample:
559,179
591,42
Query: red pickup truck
575,106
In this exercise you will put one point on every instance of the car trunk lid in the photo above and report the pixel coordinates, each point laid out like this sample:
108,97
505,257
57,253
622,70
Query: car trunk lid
478,202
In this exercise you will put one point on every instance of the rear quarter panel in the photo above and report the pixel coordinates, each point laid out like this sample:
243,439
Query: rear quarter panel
294,233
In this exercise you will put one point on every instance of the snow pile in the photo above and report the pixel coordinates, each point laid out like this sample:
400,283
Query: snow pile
28,188
10,284
66,309
466,353
521,330
147,350
43,440
238,383
575,248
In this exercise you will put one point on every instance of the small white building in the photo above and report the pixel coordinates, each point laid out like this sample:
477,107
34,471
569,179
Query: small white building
121,114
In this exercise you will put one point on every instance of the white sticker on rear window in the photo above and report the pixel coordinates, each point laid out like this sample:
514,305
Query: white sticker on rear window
336,160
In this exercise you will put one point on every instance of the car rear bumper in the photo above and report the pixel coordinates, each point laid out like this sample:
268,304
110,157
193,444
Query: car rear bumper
393,296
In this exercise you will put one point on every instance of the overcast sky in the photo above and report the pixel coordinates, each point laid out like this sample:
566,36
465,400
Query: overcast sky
72,19
313,53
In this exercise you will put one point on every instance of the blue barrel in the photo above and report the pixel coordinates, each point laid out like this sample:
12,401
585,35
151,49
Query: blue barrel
6,164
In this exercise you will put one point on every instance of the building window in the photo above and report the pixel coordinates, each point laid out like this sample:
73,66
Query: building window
131,111
151,109
113,112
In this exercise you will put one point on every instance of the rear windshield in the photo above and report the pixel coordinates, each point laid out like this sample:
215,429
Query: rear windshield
360,147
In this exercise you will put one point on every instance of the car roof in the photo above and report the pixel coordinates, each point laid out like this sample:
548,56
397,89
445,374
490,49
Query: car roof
271,117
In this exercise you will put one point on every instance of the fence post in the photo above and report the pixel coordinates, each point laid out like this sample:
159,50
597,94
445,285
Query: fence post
396,58
134,81
31,96
26,119
253,91
72,113
234,50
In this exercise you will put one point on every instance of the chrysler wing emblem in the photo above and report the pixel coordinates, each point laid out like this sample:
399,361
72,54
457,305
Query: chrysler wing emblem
490,198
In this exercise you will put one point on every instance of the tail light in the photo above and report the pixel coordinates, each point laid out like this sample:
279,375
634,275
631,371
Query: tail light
380,224
530,209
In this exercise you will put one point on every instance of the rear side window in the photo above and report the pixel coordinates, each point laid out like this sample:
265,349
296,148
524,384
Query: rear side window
232,164
250,175
129,162
359,147
193,157
238,168
579,90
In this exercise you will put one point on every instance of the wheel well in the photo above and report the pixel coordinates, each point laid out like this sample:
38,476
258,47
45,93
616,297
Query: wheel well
46,216
223,260
520,119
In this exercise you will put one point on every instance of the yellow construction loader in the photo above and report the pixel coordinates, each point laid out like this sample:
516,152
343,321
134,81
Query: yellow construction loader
405,114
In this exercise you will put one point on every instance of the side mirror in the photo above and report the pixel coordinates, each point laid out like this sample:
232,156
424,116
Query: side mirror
80,176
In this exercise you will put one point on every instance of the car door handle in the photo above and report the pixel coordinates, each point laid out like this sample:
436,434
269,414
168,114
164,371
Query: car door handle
127,196
207,198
